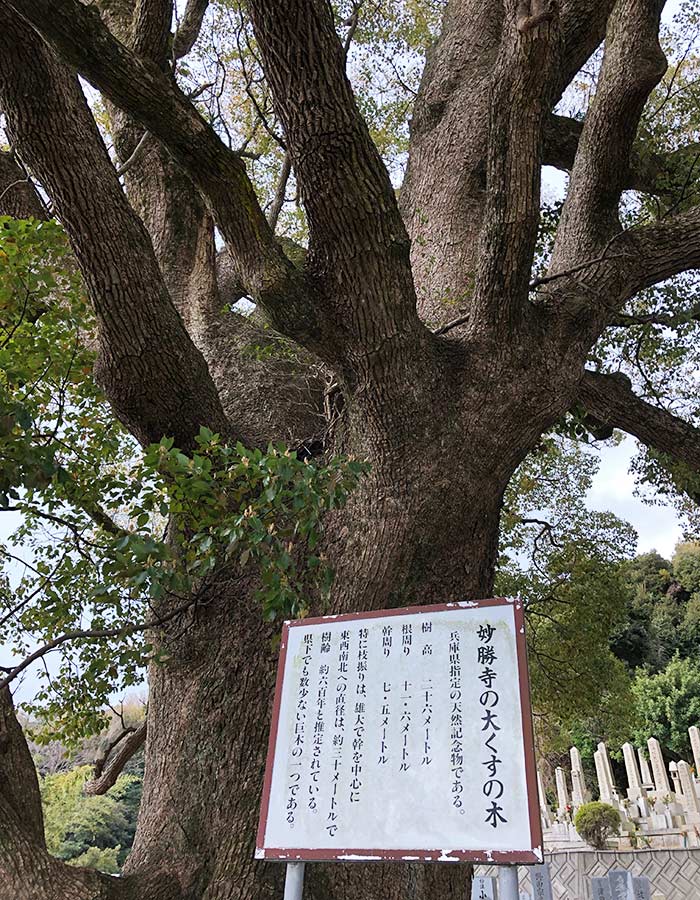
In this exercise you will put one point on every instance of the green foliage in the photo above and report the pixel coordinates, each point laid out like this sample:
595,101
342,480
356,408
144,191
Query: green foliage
566,560
105,860
115,536
596,823
668,703
80,827
663,615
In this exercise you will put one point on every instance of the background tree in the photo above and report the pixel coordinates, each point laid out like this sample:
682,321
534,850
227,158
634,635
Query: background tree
435,338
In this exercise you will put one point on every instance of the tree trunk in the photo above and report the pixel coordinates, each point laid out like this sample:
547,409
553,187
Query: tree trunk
418,530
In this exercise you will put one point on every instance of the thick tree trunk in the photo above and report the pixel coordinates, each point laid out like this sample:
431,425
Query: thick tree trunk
419,530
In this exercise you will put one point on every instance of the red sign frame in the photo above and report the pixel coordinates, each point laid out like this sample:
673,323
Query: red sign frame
533,855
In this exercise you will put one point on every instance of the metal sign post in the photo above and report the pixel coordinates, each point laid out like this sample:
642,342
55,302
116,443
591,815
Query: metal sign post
294,881
508,883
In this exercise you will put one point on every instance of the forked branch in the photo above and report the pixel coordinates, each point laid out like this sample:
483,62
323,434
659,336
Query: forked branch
150,96
110,764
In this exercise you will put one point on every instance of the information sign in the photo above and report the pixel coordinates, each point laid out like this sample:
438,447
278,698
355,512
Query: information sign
403,734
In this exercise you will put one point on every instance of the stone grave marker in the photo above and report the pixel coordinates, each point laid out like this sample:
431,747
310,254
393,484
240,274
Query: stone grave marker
658,767
562,792
621,886
694,733
483,888
641,887
647,780
600,889
634,779
541,881
690,797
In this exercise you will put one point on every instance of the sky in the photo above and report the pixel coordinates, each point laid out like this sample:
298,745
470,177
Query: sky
658,527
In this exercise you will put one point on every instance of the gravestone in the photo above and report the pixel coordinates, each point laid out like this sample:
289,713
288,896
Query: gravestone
658,767
579,791
694,733
604,786
634,779
483,888
689,794
641,887
541,881
562,792
544,808
647,780
601,889
621,886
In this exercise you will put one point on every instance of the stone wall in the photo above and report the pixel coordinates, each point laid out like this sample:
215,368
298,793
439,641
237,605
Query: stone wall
674,874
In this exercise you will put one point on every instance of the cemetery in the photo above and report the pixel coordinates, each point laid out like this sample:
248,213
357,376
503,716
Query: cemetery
655,854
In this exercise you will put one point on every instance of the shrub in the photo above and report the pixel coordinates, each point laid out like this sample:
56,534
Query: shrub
596,822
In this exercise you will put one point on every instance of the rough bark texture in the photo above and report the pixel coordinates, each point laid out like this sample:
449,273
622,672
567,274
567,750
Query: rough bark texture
444,420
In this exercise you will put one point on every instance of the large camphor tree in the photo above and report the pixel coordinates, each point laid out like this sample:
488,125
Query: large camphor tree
410,333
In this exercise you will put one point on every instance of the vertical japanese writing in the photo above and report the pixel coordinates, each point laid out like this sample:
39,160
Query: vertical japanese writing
358,741
405,726
386,639
406,638
492,787
319,724
341,690
297,747
384,725
427,714
456,722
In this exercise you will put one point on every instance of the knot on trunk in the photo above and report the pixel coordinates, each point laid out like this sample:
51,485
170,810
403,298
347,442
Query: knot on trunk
531,13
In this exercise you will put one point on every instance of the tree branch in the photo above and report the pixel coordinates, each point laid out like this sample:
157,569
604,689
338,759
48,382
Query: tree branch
93,634
647,172
148,94
610,399
107,770
529,54
358,244
151,30
18,198
189,27
632,66
662,250
147,364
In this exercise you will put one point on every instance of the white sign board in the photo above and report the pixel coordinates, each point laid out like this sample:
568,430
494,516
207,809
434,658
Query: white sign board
403,734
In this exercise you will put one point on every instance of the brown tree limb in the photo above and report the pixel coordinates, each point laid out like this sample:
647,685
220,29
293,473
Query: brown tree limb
358,244
189,27
93,634
148,94
151,29
648,172
632,66
273,213
662,250
529,54
18,197
108,770
611,400
148,366
583,25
